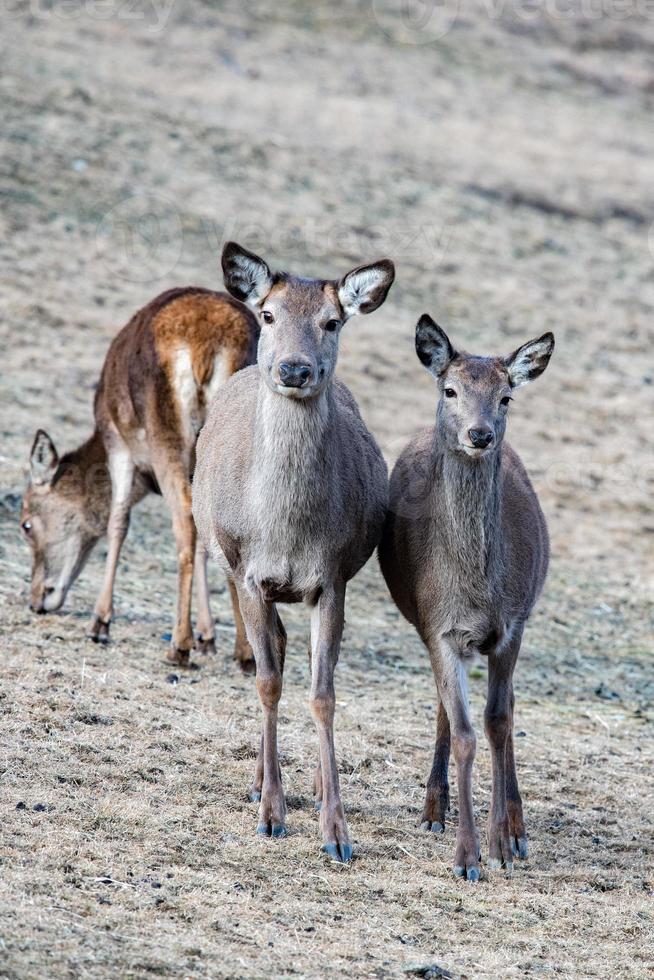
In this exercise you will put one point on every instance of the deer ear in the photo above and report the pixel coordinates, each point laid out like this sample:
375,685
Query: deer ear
43,459
247,277
364,289
530,360
433,346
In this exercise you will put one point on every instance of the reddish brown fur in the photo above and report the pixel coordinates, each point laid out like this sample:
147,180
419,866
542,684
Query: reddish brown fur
141,437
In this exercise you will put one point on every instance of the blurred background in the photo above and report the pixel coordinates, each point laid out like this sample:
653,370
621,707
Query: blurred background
500,152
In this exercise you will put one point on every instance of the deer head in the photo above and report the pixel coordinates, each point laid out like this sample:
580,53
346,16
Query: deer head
55,523
475,392
301,319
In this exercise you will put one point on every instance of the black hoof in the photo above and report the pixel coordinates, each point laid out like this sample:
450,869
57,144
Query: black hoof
271,830
435,827
342,853
520,847
471,874
205,644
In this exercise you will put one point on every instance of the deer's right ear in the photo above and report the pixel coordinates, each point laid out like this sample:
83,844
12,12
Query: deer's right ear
247,277
44,459
432,345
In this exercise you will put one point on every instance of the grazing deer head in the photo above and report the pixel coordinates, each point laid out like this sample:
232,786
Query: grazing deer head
301,319
59,522
475,392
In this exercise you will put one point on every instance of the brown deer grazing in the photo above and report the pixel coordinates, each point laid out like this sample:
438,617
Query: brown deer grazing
290,494
159,375
464,553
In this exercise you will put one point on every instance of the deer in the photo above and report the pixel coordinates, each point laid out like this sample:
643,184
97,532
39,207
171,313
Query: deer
159,376
464,552
290,495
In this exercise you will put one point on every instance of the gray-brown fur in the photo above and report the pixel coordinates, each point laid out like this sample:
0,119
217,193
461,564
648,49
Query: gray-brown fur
464,553
150,403
290,493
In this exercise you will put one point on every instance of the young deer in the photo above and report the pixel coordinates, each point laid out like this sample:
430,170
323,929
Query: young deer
290,494
159,375
464,553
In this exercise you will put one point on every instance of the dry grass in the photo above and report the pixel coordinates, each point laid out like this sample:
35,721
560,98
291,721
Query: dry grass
514,200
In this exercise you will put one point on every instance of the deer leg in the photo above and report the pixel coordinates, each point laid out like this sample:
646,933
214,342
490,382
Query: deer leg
451,681
498,720
327,619
267,636
317,777
243,654
121,471
176,490
517,832
437,799
206,641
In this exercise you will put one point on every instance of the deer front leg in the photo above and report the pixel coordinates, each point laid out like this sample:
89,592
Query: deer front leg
505,836
121,471
327,620
451,681
206,641
437,799
267,637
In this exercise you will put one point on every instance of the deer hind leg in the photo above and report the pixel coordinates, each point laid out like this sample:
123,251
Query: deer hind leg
206,638
243,654
121,471
176,490
317,776
451,680
327,621
505,836
437,799
280,646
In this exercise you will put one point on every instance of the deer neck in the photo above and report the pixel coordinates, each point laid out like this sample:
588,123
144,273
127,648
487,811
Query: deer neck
470,508
292,441
86,472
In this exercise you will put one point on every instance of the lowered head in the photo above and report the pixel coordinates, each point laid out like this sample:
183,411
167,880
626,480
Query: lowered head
475,392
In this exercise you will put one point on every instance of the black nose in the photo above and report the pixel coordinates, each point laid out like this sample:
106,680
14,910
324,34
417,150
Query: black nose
294,374
480,438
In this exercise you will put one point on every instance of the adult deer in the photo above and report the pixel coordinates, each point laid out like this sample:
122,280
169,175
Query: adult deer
464,553
159,375
290,494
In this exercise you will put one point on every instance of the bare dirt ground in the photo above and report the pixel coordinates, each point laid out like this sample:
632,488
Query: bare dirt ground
506,165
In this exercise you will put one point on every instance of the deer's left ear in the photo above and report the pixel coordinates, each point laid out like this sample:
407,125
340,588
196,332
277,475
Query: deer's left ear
364,289
44,459
530,360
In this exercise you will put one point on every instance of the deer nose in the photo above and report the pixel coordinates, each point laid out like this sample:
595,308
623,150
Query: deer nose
294,373
480,438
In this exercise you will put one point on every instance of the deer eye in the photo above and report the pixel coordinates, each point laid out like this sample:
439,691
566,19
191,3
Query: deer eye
505,400
450,393
332,325
267,316
26,526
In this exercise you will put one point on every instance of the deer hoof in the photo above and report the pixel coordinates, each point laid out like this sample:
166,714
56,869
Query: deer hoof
470,874
434,827
248,666
520,847
205,644
271,830
99,631
317,805
180,657
255,796
341,853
